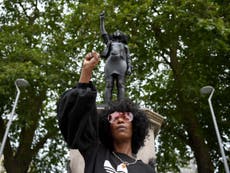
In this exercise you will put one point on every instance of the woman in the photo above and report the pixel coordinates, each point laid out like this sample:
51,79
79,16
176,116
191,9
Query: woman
109,143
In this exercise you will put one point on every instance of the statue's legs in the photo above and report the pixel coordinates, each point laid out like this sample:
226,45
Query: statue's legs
109,89
120,87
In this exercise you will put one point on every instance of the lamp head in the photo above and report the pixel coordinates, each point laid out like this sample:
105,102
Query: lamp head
21,83
206,90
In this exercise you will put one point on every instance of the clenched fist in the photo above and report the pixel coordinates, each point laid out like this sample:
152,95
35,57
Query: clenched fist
90,62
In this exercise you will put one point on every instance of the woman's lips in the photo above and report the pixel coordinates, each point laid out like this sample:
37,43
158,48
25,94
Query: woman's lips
121,128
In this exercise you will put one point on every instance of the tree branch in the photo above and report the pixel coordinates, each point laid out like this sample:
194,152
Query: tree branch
165,59
40,144
24,9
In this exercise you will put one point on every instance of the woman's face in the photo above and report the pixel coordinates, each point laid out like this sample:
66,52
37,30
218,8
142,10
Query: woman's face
121,126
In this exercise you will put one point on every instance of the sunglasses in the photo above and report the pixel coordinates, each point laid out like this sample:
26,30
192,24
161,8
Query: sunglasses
126,116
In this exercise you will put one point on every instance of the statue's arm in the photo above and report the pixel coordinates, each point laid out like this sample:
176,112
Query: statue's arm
128,60
104,33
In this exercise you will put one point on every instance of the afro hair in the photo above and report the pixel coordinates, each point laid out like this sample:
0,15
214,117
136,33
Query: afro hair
140,124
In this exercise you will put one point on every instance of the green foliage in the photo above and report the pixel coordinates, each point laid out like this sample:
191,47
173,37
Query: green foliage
176,48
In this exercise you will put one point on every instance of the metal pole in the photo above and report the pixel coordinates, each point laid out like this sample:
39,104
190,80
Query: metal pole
218,133
9,122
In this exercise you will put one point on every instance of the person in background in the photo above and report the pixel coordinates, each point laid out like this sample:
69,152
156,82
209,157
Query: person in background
108,142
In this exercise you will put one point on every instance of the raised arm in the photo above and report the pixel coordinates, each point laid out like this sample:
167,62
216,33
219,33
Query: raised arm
104,33
76,109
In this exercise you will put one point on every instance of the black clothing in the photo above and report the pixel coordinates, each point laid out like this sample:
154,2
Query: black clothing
116,62
78,122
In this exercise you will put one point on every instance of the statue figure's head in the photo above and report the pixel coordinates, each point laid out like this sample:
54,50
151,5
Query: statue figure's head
117,33
119,36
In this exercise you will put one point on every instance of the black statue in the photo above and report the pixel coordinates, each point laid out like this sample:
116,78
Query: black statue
118,63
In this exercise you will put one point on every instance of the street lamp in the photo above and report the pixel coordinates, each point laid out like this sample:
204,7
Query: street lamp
210,90
18,83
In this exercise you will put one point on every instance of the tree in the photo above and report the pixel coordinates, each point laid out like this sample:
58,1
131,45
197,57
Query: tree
189,39
32,47
176,48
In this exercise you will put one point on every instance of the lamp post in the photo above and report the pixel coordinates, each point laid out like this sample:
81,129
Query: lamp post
210,90
18,83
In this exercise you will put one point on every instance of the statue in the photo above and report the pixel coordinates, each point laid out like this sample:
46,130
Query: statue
118,63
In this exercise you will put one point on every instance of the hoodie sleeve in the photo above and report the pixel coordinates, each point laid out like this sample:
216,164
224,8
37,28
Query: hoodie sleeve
77,116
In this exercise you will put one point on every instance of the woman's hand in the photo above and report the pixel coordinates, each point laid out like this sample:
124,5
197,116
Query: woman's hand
90,62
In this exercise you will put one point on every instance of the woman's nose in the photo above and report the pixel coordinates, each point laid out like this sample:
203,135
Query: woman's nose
120,119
